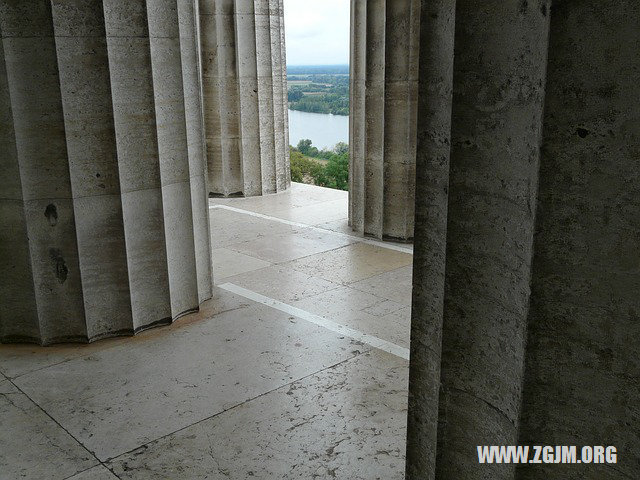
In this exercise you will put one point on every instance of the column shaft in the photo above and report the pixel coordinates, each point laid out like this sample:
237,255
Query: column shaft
373,159
402,26
357,118
18,291
131,75
582,368
437,30
244,65
83,64
498,92
47,200
285,99
104,210
471,283
187,17
383,109
249,107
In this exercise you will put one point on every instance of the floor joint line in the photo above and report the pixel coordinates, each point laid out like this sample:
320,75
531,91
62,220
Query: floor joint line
368,241
64,429
326,323
233,407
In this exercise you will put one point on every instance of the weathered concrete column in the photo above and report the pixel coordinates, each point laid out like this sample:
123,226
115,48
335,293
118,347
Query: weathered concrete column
245,101
285,96
104,207
357,119
437,30
384,70
582,368
498,91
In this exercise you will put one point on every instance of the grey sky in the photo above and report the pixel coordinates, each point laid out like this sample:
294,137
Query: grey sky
317,32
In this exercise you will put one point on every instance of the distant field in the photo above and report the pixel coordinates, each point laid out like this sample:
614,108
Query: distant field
319,92
318,69
321,161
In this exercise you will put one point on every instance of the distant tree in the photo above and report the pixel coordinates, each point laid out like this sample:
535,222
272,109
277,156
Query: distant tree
335,174
320,93
294,95
303,168
341,148
304,145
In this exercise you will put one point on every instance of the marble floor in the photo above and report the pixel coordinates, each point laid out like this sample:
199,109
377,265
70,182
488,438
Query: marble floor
297,368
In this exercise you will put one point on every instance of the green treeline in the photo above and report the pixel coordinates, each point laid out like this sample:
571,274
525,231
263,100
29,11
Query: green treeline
313,69
325,168
319,93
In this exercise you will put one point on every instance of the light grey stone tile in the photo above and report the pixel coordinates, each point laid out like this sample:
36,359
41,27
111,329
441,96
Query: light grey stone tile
363,312
283,283
394,285
345,422
117,399
230,228
351,263
98,472
227,263
32,445
16,360
290,246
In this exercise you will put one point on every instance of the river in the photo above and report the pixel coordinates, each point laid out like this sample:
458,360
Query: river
322,129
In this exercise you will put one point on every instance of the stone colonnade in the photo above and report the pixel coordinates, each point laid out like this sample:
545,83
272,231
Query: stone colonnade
383,112
245,96
105,220
526,305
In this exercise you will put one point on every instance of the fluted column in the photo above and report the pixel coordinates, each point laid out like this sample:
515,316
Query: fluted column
498,95
285,97
583,365
478,303
437,30
525,323
107,210
245,101
357,119
384,70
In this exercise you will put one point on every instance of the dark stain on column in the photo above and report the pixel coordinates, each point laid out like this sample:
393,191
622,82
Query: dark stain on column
51,212
60,266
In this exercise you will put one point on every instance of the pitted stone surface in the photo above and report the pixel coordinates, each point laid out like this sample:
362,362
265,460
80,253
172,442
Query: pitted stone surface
383,112
106,197
245,96
524,324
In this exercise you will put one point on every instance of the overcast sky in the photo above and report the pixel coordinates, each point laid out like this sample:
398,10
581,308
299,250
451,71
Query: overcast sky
317,32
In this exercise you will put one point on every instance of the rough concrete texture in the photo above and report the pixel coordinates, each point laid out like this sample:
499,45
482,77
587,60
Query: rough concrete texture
106,206
357,119
540,295
245,98
437,28
498,91
384,51
582,365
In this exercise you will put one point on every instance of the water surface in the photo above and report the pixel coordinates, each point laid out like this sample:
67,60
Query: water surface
324,130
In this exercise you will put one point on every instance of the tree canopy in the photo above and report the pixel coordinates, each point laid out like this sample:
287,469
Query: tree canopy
325,168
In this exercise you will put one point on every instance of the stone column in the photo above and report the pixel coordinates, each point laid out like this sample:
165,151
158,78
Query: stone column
357,119
245,101
583,365
497,102
384,71
102,142
539,338
437,29
285,96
